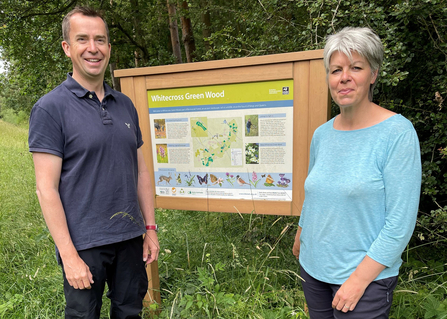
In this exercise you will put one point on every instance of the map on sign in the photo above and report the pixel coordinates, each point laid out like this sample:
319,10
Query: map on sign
217,142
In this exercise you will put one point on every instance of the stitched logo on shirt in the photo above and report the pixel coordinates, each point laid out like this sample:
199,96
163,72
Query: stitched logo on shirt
127,124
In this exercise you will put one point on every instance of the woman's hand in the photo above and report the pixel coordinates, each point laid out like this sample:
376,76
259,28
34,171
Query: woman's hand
349,294
352,290
296,245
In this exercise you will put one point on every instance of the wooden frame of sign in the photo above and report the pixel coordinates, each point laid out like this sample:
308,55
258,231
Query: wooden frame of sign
311,108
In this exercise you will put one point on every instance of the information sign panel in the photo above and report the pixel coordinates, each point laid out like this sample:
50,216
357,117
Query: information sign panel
232,141
202,151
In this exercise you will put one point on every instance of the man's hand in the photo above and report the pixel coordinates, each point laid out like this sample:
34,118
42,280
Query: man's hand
77,273
151,247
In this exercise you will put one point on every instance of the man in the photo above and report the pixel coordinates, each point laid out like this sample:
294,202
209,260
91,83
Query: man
92,183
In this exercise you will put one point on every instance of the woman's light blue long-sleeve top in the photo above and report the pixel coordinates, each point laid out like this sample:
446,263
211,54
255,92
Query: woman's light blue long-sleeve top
361,198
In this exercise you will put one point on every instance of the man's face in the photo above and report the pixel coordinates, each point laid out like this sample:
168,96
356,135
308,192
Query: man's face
89,49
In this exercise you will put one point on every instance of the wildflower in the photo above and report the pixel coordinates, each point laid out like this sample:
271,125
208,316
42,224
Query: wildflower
254,176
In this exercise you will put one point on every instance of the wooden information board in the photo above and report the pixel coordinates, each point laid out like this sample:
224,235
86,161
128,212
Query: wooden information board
193,119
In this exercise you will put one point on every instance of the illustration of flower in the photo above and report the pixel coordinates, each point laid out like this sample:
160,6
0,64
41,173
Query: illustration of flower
283,182
230,178
190,179
254,179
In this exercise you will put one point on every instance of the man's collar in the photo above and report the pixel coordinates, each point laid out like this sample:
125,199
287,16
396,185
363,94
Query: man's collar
80,91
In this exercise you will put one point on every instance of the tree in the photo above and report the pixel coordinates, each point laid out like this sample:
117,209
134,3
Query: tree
30,38
413,80
206,24
173,28
188,36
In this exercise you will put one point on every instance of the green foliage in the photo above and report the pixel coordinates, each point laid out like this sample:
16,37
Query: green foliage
228,266
28,270
205,299
30,41
433,226
10,116
422,290
12,301
257,28
435,309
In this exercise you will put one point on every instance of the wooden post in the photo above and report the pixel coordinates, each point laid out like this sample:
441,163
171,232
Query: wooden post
130,87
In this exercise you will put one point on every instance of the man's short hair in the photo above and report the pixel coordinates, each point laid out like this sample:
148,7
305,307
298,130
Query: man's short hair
86,11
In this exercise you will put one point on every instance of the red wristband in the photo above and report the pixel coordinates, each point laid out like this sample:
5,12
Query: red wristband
152,227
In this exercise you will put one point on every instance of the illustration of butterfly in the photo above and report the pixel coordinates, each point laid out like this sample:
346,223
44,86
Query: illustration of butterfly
203,180
263,176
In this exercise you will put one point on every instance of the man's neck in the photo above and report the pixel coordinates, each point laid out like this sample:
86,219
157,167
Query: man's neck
96,86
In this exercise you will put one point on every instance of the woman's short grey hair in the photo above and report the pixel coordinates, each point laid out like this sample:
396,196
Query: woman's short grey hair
364,41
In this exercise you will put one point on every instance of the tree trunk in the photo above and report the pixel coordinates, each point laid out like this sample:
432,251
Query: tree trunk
206,20
187,34
141,56
116,84
173,28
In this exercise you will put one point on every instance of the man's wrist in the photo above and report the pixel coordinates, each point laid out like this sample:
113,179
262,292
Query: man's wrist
152,227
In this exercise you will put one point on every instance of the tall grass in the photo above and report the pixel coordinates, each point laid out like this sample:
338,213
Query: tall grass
28,273
212,265
228,266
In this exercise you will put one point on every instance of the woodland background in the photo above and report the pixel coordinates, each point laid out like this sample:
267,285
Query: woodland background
413,82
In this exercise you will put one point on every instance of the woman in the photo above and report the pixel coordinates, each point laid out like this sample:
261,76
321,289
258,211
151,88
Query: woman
362,190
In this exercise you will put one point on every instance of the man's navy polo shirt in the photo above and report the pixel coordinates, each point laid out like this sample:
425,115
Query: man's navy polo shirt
98,144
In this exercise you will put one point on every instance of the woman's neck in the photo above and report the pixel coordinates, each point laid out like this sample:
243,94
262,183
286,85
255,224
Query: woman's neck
370,114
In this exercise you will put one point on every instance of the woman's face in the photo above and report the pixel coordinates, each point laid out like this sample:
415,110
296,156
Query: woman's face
349,81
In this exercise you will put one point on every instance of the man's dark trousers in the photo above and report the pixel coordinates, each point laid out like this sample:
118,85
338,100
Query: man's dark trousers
121,266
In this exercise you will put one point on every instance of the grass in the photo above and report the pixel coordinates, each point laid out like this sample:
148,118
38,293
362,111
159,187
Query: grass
242,262
28,271
212,265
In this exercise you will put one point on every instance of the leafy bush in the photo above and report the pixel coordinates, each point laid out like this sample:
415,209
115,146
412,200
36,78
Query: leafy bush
13,117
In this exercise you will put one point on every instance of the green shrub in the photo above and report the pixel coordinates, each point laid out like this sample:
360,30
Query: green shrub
14,117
